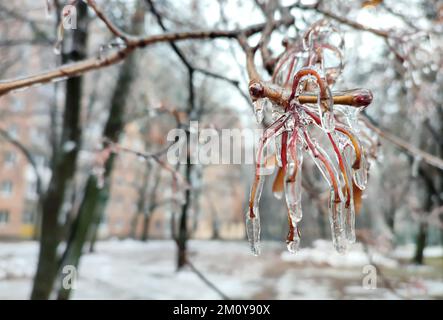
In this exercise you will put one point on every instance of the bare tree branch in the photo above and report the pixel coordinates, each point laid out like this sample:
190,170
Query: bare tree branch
23,149
403,145
132,43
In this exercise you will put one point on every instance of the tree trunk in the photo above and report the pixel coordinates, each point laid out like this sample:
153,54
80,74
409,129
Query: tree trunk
80,230
104,196
145,233
63,168
89,207
423,227
141,205
421,243
183,225
152,202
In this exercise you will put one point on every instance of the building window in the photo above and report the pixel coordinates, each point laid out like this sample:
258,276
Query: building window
6,188
31,190
28,217
4,217
10,158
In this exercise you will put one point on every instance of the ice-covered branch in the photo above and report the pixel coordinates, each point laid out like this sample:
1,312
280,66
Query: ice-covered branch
131,43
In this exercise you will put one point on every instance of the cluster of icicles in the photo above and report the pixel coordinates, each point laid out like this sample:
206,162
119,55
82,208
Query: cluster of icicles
306,71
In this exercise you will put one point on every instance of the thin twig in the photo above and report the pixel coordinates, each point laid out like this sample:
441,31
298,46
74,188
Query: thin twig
132,43
403,145
206,280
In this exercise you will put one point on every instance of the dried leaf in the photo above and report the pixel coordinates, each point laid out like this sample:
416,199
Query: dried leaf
278,185
371,3
357,192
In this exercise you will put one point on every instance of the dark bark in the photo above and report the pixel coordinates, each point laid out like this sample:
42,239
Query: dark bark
89,208
183,233
141,205
146,223
183,224
421,238
152,202
63,166
93,235
421,243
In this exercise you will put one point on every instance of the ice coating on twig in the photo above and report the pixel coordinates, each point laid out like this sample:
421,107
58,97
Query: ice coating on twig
311,117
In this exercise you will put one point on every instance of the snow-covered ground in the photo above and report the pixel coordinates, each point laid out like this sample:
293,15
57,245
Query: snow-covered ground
134,270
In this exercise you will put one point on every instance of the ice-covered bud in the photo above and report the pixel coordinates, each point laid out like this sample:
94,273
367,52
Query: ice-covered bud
256,90
361,98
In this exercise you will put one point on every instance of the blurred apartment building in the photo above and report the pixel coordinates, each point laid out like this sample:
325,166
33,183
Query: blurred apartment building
217,212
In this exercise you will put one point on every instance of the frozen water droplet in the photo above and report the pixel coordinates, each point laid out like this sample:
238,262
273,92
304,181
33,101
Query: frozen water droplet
259,110
259,116
361,174
294,245
57,48
278,194
328,121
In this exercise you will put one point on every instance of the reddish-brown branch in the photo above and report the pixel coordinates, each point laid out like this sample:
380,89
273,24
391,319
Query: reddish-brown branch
132,43
327,165
281,96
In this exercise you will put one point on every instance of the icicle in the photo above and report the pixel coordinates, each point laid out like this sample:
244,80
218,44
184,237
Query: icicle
253,232
361,174
258,110
293,241
415,166
278,146
293,188
253,215
60,34
350,207
261,106
336,222
351,115
322,167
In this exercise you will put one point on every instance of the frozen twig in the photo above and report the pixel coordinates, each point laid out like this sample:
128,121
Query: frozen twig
131,44
403,145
